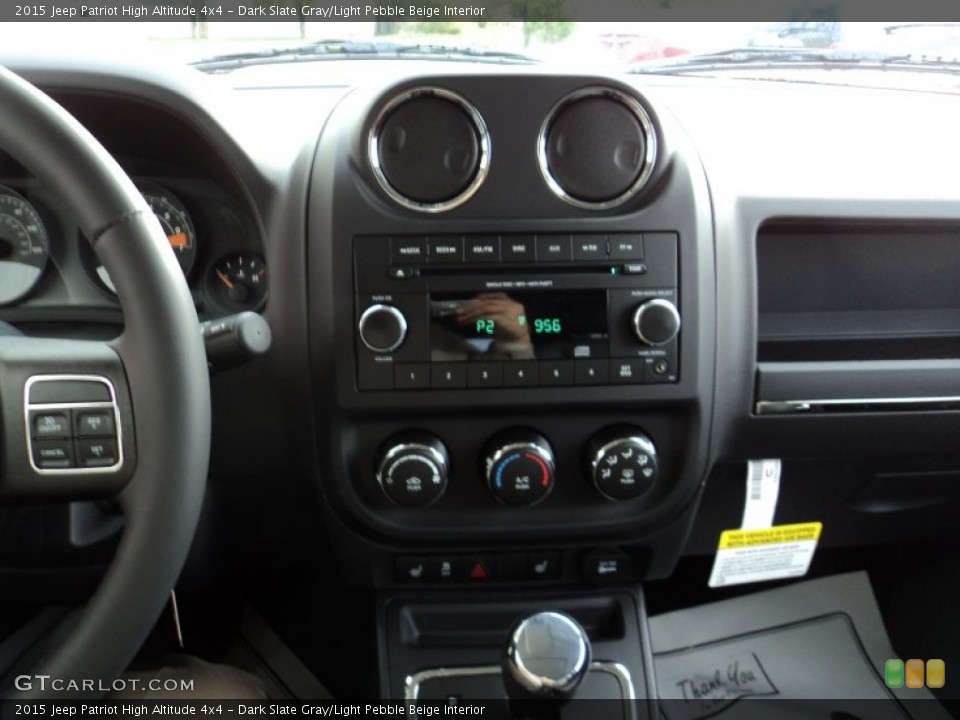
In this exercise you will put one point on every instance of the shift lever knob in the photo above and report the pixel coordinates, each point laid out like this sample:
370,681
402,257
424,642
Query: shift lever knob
546,657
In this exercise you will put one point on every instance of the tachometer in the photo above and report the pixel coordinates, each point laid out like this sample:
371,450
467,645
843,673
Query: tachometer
176,224
23,246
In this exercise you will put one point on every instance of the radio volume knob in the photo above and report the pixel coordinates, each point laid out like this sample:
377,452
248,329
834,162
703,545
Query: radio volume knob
413,469
519,467
382,328
655,322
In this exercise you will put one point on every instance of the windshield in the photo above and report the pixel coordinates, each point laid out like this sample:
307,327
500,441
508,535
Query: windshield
278,41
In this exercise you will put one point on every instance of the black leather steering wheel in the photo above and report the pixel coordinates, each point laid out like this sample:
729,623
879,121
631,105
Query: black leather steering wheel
152,382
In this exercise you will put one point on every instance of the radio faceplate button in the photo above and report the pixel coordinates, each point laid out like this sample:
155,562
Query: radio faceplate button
519,248
483,248
485,375
591,372
408,251
520,373
625,372
554,248
445,249
626,246
590,247
411,376
448,375
556,372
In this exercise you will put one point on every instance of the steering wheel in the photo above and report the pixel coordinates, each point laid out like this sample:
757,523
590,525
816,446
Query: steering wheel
145,396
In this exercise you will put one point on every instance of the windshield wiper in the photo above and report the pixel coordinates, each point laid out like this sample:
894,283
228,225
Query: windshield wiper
779,58
357,50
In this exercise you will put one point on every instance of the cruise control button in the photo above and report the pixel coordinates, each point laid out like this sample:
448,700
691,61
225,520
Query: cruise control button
96,453
51,425
53,454
95,424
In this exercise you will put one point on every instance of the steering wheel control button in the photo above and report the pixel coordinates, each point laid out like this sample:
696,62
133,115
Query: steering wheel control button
53,454
519,467
607,566
50,425
410,569
87,428
96,453
382,328
94,424
412,471
622,463
656,322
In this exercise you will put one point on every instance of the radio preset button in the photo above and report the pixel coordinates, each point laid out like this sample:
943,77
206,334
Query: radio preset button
520,373
409,250
554,248
411,376
556,372
382,328
448,375
485,375
519,248
590,247
483,248
626,246
591,372
445,249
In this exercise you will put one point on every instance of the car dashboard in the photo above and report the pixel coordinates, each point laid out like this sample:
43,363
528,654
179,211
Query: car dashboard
529,328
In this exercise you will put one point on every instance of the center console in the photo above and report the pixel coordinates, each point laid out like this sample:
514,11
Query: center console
517,274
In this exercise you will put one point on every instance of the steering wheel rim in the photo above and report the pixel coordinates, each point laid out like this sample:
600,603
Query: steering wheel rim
162,357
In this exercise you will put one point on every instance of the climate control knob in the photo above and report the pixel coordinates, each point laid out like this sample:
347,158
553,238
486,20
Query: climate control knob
622,463
655,322
519,467
412,470
382,328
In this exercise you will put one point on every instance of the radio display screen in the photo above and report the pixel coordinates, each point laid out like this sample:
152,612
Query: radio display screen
520,325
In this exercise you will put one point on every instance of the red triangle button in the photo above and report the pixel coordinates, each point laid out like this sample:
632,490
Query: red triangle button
478,571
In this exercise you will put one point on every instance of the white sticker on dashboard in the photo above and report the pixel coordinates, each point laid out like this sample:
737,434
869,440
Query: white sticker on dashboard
763,489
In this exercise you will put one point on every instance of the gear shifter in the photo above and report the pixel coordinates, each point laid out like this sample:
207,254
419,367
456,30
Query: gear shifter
546,657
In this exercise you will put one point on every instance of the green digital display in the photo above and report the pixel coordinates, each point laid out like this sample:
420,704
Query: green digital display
485,326
547,326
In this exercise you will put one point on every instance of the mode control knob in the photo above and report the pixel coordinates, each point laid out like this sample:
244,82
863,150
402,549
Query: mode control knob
413,469
622,463
519,467
655,322
382,328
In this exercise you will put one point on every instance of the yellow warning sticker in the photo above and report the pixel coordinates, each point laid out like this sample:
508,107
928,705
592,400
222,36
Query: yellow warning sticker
770,536
762,554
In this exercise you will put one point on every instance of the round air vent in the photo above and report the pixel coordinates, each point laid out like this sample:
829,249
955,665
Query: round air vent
597,148
429,149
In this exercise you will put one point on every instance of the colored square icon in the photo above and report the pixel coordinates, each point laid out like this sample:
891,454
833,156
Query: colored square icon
893,673
914,674
936,673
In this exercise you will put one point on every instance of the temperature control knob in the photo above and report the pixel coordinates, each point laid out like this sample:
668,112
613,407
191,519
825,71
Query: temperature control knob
622,463
413,469
656,322
383,328
519,468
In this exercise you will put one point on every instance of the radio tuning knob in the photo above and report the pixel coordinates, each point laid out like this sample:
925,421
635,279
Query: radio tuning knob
655,322
412,470
519,467
622,462
382,328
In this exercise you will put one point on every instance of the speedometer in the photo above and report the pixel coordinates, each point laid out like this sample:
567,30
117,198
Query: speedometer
23,246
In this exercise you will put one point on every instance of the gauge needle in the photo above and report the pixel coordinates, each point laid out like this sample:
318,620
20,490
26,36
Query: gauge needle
226,280
179,240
